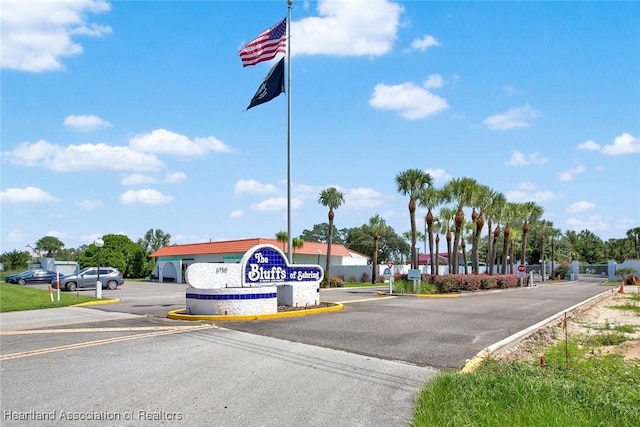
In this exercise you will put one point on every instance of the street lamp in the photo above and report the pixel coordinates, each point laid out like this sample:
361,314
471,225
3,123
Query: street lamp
319,252
99,244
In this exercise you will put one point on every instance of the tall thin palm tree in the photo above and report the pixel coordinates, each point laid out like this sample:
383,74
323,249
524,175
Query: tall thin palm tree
531,212
446,221
330,198
412,182
430,198
459,191
495,206
282,237
480,200
377,225
511,213
297,243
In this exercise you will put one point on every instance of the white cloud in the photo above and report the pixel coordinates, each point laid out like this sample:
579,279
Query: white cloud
529,192
593,223
89,205
144,197
519,159
82,157
253,186
439,175
623,144
236,213
362,198
276,204
411,101
85,123
348,28
512,90
513,118
581,206
534,196
570,174
140,179
162,141
424,43
26,195
434,81
18,236
588,145
36,36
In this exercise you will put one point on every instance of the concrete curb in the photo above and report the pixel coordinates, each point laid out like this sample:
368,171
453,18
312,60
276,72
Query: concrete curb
181,315
472,364
97,302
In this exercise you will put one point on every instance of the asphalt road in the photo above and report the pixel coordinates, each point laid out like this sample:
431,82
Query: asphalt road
359,367
442,333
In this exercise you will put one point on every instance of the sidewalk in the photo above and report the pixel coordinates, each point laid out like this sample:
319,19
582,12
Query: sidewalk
29,319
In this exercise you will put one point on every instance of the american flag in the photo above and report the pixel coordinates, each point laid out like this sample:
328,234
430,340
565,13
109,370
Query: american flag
267,45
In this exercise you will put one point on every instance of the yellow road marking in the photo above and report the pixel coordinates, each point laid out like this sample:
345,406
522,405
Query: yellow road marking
157,333
366,299
76,330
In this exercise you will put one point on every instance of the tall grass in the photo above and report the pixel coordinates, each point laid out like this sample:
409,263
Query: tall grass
581,390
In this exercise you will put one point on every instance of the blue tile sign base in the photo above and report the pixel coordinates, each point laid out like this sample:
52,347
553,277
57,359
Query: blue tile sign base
263,281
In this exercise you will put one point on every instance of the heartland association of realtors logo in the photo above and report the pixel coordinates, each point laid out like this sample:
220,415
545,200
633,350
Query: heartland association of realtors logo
267,264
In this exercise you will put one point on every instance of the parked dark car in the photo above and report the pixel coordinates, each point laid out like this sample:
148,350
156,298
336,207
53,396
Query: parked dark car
35,275
110,277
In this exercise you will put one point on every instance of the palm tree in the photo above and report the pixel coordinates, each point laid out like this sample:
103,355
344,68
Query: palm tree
296,243
460,192
377,225
411,183
330,198
633,234
532,212
493,211
446,218
511,213
430,198
481,200
282,237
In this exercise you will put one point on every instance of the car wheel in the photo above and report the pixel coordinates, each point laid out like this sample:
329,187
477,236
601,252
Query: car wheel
112,284
22,282
71,286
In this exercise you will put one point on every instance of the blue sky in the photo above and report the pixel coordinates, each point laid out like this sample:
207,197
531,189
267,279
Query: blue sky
122,116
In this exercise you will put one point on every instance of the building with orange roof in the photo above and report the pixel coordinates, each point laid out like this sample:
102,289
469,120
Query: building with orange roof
172,261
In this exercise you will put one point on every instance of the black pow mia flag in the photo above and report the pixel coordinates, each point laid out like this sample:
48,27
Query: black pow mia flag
271,86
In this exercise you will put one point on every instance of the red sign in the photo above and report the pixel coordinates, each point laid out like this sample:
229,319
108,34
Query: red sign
389,264
522,268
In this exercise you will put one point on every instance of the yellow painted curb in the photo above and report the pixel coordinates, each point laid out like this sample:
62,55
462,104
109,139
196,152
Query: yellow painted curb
181,315
97,302
475,362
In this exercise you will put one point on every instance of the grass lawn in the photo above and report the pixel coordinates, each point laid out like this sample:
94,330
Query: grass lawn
17,298
579,385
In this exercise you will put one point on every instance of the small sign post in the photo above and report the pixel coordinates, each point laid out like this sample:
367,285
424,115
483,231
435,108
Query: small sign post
390,265
522,272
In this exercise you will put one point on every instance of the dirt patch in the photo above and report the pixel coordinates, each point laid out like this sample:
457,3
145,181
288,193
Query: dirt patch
597,317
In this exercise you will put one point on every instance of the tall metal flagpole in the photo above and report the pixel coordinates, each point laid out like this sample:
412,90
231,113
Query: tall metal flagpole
290,241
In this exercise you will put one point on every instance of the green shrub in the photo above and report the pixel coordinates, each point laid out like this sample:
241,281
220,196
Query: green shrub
561,271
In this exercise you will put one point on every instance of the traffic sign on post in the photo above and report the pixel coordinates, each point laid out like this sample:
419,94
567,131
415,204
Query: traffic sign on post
389,264
522,268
